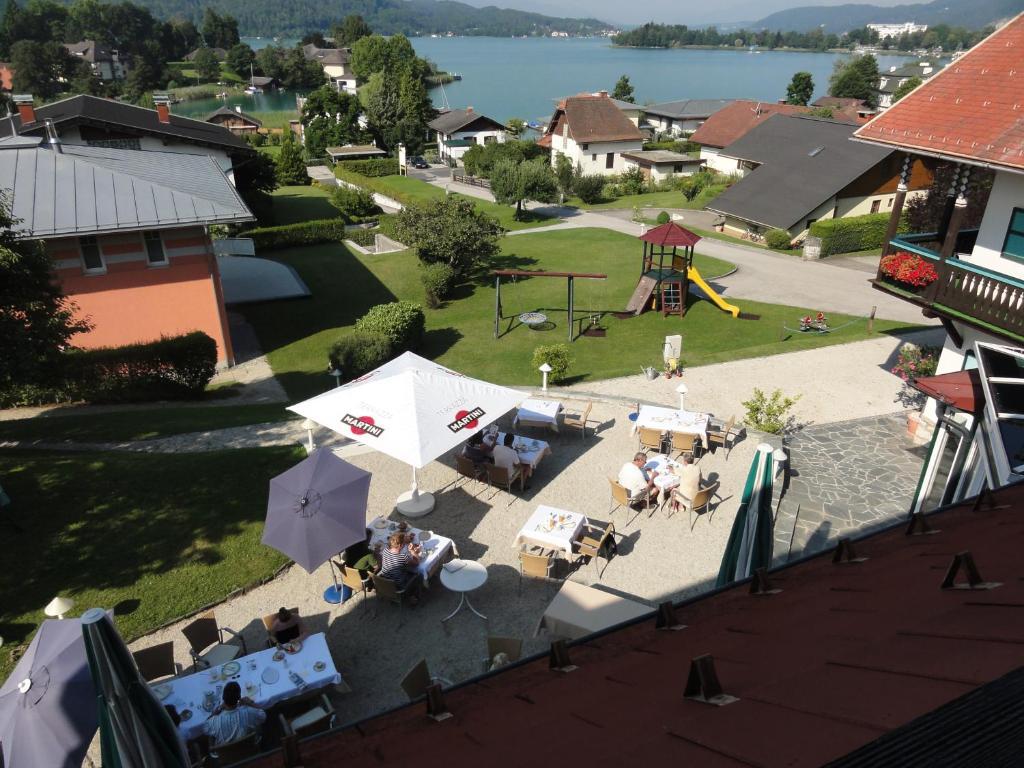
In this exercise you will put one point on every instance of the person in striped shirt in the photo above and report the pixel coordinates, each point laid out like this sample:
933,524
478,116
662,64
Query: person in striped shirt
398,560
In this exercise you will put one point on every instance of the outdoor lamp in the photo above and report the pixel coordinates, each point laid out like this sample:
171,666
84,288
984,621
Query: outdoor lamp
336,373
682,390
544,369
59,606
779,456
308,425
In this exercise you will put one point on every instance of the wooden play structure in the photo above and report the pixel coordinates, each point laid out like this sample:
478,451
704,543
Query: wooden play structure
515,273
665,286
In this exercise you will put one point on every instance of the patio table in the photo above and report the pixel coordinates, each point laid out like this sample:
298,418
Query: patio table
673,420
579,610
540,530
440,549
524,447
188,692
538,413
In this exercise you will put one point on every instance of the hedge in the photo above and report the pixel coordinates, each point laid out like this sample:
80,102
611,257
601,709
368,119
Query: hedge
359,353
363,237
402,322
375,166
854,233
304,233
374,185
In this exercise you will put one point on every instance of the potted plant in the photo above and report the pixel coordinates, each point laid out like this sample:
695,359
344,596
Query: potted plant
908,270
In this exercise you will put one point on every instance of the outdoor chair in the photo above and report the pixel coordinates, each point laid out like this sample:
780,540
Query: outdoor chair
235,751
683,442
388,590
591,546
156,662
535,567
578,421
353,579
512,647
724,436
466,468
501,477
650,438
418,679
622,498
318,719
268,623
699,504
206,640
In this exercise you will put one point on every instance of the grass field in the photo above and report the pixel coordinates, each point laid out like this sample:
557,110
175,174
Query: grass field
460,333
151,536
295,204
275,119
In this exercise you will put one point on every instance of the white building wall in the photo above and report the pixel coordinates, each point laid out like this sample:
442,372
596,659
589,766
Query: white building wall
716,161
593,159
495,136
1007,194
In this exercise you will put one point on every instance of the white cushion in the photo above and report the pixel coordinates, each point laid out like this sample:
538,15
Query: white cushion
220,654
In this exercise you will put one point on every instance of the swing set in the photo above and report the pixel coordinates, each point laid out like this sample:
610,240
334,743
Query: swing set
516,273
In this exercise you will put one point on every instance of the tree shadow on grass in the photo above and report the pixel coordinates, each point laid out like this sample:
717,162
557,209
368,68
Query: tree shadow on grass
437,341
290,209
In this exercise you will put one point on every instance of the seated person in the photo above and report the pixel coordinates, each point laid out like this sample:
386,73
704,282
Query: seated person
235,718
690,477
398,560
505,456
362,556
477,451
637,480
286,626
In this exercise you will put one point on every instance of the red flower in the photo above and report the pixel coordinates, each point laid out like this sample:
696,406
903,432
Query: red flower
908,268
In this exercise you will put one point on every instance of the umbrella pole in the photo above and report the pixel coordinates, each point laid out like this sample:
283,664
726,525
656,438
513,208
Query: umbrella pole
332,595
412,503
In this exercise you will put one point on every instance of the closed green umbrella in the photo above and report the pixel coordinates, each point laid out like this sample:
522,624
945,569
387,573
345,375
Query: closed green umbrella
135,729
750,541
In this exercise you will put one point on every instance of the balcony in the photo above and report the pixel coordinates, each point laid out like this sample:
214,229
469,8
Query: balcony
972,295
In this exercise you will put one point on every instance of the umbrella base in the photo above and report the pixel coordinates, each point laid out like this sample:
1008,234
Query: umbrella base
415,506
332,595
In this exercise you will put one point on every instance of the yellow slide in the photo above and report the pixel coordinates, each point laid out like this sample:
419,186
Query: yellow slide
721,303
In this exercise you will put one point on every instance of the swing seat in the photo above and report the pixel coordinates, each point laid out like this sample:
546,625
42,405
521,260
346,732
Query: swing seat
533,320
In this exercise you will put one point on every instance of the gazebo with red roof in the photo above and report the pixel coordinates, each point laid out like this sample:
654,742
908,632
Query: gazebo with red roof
670,284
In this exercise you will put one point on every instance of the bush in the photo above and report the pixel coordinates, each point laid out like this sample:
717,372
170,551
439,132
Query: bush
555,355
633,182
854,233
916,362
363,237
768,414
255,139
353,202
304,233
402,322
437,281
663,218
589,188
374,166
359,353
777,238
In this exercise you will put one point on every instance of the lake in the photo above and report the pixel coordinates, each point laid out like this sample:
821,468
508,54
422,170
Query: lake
506,77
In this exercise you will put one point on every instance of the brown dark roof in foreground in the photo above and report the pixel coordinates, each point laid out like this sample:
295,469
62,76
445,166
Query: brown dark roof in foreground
961,389
594,118
734,121
843,655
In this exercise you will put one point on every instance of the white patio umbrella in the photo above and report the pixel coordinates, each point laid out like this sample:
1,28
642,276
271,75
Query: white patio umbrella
413,410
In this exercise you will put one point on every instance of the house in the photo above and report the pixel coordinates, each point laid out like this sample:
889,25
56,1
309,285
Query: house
126,232
731,123
459,129
889,82
220,53
354,152
846,108
262,83
683,117
895,30
106,64
635,112
235,120
6,77
659,164
593,133
100,122
966,118
336,63
802,169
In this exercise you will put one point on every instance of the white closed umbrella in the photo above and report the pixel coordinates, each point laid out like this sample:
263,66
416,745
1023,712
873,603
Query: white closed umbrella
413,410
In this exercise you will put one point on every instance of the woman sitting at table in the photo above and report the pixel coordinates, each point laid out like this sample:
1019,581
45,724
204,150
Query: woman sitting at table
398,560
477,450
286,626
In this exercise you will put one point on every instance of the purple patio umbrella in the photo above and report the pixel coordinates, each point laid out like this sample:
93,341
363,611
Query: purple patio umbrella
48,711
316,509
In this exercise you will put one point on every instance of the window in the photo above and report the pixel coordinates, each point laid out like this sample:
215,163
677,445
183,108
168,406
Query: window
875,205
489,139
584,147
155,254
609,160
890,202
809,222
677,168
92,258
593,158
1014,244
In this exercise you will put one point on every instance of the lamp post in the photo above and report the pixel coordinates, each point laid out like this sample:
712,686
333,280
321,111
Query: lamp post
544,369
682,390
308,426
779,456
59,606
336,373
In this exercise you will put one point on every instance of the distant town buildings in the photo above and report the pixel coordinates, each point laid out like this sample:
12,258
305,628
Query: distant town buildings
336,63
105,64
889,82
895,30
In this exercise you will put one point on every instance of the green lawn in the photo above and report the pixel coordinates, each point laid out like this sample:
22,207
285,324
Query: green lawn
295,204
138,424
151,536
275,118
460,334
671,199
271,150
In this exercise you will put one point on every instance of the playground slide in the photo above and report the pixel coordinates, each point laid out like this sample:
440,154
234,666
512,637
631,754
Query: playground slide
711,294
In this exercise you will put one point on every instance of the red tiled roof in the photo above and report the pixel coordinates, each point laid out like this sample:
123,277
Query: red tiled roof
960,389
844,654
594,118
670,233
730,123
971,110
544,141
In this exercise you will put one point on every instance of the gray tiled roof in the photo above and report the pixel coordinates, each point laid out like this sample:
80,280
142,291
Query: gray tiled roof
89,190
457,119
687,108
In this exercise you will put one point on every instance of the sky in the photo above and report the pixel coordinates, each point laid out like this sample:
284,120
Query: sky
668,11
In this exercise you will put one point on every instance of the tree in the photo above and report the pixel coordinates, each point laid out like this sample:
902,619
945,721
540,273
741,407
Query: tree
449,230
206,65
314,37
299,72
144,76
41,68
924,212
856,78
270,61
351,30
381,103
219,31
623,90
800,89
255,179
330,118
906,87
239,59
515,126
291,166
36,319
512,183
565,175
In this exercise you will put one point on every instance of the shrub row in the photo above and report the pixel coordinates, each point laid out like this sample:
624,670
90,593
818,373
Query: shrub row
363,237
304,233
374,166
374,185
854,233
380,334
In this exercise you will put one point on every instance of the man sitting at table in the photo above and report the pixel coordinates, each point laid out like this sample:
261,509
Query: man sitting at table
505,456
637,480
477,451
235,719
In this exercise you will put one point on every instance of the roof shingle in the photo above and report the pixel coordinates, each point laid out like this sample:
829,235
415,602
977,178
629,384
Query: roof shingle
594,118
732,122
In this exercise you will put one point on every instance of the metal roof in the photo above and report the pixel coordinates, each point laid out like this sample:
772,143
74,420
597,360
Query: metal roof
92,190
687,108
458,119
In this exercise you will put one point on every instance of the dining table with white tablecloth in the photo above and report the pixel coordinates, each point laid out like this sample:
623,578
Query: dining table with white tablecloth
530,451
534,412
262,677
439,549
673,420
551,528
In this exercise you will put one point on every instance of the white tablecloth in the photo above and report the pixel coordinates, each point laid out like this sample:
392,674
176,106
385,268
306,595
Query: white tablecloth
188,692
527,453
543,413
578,610
673,420
440,548
560,537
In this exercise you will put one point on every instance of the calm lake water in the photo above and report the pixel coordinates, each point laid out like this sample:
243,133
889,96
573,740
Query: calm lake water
506,78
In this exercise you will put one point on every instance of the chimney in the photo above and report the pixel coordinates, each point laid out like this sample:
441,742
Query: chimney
26,110
469,108
603,94
52,137
163,107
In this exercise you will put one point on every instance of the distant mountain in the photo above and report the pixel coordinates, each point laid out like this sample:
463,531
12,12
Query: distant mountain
971,14
292,18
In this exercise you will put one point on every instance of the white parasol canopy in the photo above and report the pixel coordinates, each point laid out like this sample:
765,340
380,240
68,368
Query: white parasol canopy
412,409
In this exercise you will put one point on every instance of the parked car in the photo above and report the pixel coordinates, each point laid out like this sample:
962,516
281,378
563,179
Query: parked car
417,162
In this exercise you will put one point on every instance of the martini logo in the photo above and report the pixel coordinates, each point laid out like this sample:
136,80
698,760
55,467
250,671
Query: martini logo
362,425
466,419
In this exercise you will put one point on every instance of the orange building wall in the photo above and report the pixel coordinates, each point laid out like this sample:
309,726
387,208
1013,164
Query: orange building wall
134,302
